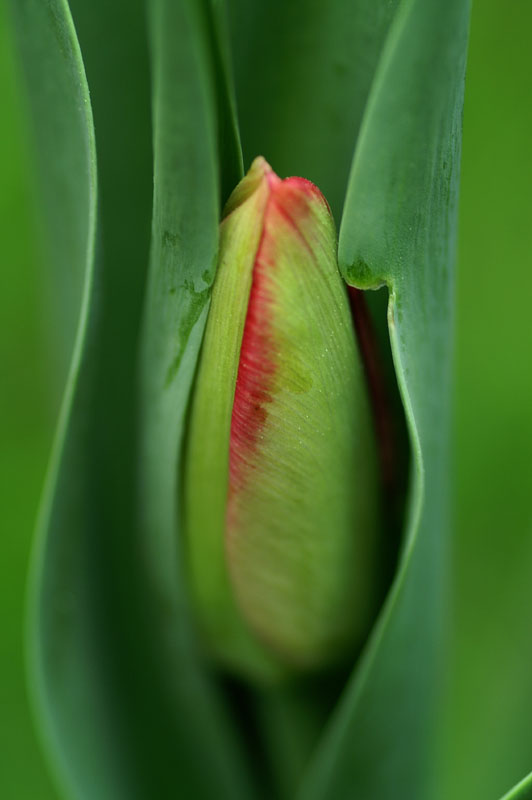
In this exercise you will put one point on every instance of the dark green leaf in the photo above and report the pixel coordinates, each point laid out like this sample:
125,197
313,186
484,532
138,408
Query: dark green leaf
303,70
398,229
62,136
193,124
63,669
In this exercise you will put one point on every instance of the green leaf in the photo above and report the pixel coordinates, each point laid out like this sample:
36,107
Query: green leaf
116,722
61,125
82,620
522,791
398,229
303,71
61,676
193,127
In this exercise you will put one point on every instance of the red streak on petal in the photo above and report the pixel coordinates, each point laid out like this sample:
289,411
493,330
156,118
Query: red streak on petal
290,199
305,187
256,370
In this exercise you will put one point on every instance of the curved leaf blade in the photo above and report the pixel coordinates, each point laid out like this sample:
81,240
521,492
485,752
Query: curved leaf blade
90,638
521,791
60,655
194,126
92,650
54,81
398,229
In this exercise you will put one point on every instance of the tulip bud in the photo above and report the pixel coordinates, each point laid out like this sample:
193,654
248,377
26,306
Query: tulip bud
281,468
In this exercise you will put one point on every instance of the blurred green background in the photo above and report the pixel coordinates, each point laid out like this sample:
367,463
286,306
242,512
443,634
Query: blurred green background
488,736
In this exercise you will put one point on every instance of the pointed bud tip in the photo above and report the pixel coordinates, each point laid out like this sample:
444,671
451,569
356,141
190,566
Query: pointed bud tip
260,164
283,191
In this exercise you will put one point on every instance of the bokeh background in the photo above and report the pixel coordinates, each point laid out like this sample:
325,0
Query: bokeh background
488,735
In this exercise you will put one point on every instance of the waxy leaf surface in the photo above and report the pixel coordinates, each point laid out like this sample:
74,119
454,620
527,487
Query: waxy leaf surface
398,229
123,714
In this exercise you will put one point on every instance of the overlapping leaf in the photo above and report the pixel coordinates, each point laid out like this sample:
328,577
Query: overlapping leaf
188,137
112,643
113,728
398,229
63,669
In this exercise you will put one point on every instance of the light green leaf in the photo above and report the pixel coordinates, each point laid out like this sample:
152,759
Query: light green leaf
522,791
398,229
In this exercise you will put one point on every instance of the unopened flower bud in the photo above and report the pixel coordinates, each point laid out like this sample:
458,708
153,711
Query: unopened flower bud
281,468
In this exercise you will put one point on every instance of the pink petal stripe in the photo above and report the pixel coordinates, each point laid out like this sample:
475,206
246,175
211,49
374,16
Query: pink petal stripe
258,355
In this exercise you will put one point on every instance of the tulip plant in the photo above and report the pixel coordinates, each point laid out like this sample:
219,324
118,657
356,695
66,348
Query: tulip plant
240,572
